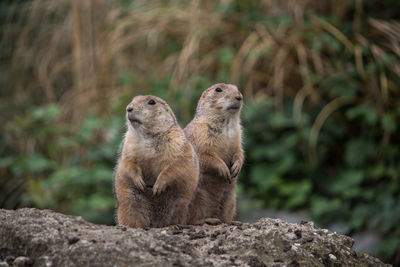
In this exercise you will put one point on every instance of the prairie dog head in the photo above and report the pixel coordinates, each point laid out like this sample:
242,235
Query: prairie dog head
220,100
149,114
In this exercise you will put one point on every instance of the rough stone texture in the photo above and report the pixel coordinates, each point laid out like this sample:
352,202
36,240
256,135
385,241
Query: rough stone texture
48,238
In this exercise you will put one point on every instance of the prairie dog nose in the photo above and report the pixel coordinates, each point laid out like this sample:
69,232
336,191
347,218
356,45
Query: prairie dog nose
238,98
129,109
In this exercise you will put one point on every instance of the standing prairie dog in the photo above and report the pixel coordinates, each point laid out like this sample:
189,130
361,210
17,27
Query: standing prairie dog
216,135
157,172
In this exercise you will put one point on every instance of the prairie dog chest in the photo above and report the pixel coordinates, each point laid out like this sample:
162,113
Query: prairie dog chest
228,141
141,149
151,155
231,131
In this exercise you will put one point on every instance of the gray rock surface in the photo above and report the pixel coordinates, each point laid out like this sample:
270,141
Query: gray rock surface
47,238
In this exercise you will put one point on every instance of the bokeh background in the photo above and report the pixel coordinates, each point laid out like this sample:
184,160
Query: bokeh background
320,81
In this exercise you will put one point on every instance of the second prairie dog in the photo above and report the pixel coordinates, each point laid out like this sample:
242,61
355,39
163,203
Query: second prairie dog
157,172
216,135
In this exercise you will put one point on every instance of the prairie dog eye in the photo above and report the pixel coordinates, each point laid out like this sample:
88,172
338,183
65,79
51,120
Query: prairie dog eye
218,90
151,102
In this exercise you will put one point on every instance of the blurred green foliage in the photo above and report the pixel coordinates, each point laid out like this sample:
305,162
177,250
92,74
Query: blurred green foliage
321,119
77,182
354,181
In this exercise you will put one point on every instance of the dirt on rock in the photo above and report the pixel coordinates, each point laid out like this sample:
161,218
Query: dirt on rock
32,237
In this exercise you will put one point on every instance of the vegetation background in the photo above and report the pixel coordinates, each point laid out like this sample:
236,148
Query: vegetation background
320,80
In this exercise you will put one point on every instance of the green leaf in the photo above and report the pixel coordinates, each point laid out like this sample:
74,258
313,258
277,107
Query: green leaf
358,151
279,121
226,55
388,245
347,183
285,164
341,86
37,193
368,114
46,113
271,151
297,193
321,206
73,176
7,161
36,162
389,122
88,127
125,78
264,176
102,173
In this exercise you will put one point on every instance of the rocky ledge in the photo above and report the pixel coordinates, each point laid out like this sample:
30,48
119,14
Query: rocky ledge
34,237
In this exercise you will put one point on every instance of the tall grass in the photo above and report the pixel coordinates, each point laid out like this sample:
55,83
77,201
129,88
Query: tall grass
91,57
79,53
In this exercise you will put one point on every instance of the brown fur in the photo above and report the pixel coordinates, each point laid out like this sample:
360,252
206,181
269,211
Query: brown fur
157,171
215,133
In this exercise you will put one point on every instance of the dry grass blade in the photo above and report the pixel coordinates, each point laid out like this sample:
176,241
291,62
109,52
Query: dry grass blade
335,32
246,46
299,100
319,121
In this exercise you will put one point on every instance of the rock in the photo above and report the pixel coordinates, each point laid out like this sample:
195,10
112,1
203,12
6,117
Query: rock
52,239
23,261
9,259
332,257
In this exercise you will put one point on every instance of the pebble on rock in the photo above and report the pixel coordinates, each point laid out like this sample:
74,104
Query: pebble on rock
332,257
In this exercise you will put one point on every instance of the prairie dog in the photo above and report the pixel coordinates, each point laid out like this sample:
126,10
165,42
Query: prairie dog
157,171
216,135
